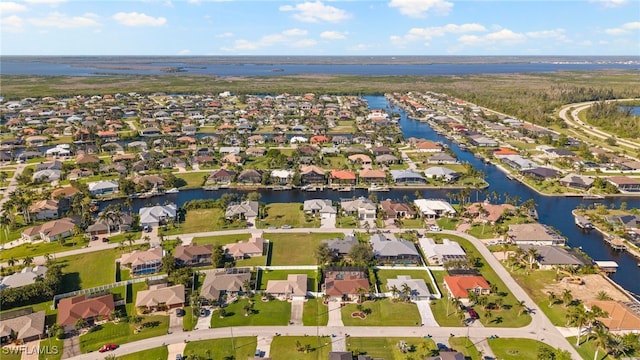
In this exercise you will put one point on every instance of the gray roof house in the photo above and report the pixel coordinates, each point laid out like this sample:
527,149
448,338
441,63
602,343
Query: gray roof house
534,234
156,215
26,276
24,328
242,210
419,289
364,208
219,282
47,175
407,177
318,206
103,187
442,158
439,172
341,247
439,254
388,249
553,256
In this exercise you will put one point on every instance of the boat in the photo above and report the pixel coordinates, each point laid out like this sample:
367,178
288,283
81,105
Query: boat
375,187
533,213
592,197
345,189
211,188
582,222
172,191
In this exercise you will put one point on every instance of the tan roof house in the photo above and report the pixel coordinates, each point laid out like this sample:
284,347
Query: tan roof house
619,316
50,231
220,282
294,287
241,249
80,307
44,209
159,297
23,328
193,255
143,262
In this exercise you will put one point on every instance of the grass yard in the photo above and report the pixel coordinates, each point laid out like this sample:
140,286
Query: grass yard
89,270
534,285
193,179
347,222
241,347
202,220
40,248
159,353
383,275
221,239
587,349
56,349
123,237
315,313
443,309
188,320
413,223
296,249
387,348
11,354
466,347
279,214
285,347
252,261
265,275
513,348
447,223
264,313
122,333
384,312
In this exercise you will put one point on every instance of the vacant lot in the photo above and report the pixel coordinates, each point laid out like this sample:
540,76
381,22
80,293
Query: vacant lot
242,347
264,313
279,214
387,348
296,248
383,312
286,347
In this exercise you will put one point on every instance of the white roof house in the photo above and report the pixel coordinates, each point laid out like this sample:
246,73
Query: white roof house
103,187
26,276
438,254
434,208
419,289
319,206
154,215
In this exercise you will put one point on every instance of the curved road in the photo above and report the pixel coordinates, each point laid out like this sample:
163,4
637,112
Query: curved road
539,329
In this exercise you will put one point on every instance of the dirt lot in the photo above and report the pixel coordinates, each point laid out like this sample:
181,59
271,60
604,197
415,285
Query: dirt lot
592,285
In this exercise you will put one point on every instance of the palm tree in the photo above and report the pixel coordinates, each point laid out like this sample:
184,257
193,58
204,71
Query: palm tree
577,315
11,262
552,298
406,290
567,297
601,340
532,255
521,307
28,260
394,291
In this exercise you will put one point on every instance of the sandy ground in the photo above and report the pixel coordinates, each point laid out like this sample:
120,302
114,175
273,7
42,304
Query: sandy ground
593,284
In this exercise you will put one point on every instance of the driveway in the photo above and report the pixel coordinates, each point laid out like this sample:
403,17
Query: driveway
297,306
32,350
175,349
204,322
264,345
175,322
335,315
71,347
426,314
328,223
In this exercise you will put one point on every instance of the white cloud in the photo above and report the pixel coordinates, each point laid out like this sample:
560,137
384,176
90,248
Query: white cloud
624,29
333,35
304,43
63,21
11,7
360,47
225,35
11,23
294,32
420,8
503,37
547,34
610,3
184,52
291,37
428,33
138,19
316,12
47,2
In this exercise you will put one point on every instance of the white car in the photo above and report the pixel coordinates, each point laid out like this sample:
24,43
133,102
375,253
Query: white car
434,228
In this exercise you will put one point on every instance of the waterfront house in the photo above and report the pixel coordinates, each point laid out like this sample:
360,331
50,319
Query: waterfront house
442,173
418,289
157,215
487,212
341,247
407,177
442,158
387,249
625,184
554,257
249,176
312,175
220,282
575,181
367,176
22,329
345,282
26,276
441,254
434,208
243,210
361,207
428,147
193,255
342,177
517,162
482,141
50,231
143,262
221,176
534,234
397,210
294,287
44,209
161,297
245,249
323,207
460,286
281,177
541,173
90,309
103,187
621,318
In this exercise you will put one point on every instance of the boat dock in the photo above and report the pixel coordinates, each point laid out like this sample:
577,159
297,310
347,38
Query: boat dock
606,266
583,223
615,243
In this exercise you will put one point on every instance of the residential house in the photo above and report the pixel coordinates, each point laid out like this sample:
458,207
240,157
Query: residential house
245,249
345,282
434,208
342,177
320,206
221,176
312,175
341,247
249,176
86,159
281,177
44,210
482,141
361,207
388,249
381,150
447,355
103,187
255,151
407,177
340,355
362,159
295,287
193,255
534,234
387,159
26,276
442,158
50,165
442,173
517,162
621,317
157,215
50,231
161,297
367,176
440,254
149,181
625,184
428,147
243,210
224,282
575,181
487,212
418,289
47,175
554,257
541,173
459,287
397,210
142,262
90,309
25,328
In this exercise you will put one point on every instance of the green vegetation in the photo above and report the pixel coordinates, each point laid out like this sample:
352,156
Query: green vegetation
272,312
193,179
89,270
241,347
520,349
300,347
389,348
265,275
220,239
11,355
347,222
53,343
382,312
587,349
296,249
124,332
614,119
202,220
159,353
466,347
291,214
384,275
189,321
40,248
534,285
315,313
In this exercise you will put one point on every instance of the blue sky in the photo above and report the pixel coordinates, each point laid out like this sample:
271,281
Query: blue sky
334,27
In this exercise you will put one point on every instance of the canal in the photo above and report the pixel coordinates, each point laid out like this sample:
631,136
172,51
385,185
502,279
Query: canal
552,211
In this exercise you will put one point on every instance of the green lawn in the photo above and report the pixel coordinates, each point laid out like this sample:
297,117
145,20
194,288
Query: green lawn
241,347
56,349
296,249
202,220
159,353
40,248
135,235
534,284
587,349
387,348
517,349
315,313
122,333
221,239
89,270
265,275
11,354
193,179
279,214
466,347
347,222
188,320
265,313
284,347
384,312
384,275
443,310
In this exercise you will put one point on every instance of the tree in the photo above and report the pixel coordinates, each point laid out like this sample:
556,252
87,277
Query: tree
521,307
80,323
28,260
361,254
323,254
567,297
394,291
577,315
168,263
532,255
552,298
601,340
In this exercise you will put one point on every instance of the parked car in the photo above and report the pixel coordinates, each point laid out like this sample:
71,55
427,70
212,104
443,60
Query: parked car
178,356
104,239
287,227
180,312
434,228
203,312
108,347
473,314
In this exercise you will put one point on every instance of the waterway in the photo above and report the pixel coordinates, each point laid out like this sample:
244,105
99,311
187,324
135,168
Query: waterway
552,211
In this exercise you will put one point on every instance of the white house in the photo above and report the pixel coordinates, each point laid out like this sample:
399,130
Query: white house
155,215
432,209
439,254
103,187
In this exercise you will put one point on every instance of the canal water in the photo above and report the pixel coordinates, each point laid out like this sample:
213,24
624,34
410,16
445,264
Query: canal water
552,211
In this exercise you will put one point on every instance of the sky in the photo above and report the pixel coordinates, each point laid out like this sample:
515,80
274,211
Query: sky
322,27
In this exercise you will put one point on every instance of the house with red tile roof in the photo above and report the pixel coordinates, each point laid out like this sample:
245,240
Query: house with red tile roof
345,282
505,151
367,176
71,309
319,139
460,286
343,177
428,146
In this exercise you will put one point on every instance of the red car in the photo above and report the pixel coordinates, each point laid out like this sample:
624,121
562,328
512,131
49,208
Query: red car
108,347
